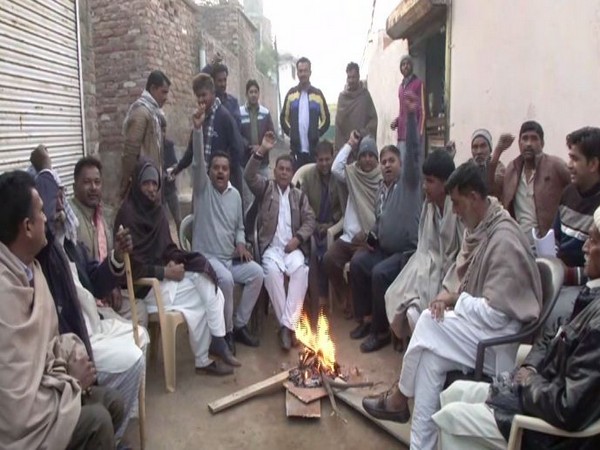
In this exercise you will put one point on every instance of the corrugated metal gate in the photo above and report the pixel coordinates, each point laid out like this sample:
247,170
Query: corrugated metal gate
40,95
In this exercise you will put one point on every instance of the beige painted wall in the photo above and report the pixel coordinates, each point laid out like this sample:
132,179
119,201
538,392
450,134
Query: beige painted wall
383,78
514,60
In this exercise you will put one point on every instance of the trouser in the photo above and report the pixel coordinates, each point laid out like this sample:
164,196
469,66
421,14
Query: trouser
465,421
303,158
424,369
172,200
287,307
371,274
336,257
250,275
101,413
201,304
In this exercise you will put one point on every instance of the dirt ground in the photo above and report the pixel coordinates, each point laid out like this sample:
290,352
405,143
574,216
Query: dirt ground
181,420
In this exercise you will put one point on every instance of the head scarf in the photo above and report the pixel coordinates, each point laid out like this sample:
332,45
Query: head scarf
149,227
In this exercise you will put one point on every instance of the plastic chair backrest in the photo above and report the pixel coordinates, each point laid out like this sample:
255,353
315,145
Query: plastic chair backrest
185,233
298,177
552,275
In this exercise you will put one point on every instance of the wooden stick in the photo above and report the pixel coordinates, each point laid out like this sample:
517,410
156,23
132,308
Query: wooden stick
248,392
338,385
332,397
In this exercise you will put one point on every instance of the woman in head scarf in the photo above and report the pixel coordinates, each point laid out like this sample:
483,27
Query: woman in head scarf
188,282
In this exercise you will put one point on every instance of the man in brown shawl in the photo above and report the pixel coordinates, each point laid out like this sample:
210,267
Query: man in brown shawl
493,289
46,392
355,109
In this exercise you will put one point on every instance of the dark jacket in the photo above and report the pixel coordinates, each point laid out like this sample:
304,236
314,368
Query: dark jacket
169,160
318,117
565,390
225,138
233,106
550,179
267,194
264,123
312,187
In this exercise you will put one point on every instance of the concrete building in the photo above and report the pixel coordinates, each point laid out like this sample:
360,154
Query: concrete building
495,64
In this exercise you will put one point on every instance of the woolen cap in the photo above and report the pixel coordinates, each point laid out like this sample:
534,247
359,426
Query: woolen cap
368,145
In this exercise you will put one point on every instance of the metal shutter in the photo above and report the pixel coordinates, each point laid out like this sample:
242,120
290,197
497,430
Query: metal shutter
40,95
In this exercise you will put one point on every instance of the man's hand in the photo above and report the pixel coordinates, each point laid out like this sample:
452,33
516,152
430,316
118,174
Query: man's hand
115,299
292,245
322,229
504,143
443,301
83,370
174,271
243,253
267,144
394,124
123,243
353,139
198,116
523,374
360,238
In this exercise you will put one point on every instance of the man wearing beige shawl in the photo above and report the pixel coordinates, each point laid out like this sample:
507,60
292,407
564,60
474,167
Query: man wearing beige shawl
355,108
362,179
43,374
440,235
492,290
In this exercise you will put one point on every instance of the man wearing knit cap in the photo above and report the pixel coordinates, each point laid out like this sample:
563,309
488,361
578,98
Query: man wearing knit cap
411,95
476,416
362,179
533,181
481,149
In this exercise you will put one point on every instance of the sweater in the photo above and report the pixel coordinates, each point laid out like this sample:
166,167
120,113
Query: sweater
318,117
264,123
218,219
397,213
415,86
571,229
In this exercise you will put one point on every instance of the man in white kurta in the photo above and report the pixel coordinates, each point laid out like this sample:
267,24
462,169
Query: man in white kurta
493,288
440,236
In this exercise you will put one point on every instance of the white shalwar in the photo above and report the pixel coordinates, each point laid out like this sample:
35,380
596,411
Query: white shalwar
276,263
437,348
119,362
202,307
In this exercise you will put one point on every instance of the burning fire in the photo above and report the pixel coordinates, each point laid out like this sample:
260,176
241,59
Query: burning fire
319,343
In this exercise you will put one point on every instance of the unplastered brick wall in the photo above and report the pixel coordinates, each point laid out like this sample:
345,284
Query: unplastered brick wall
89,78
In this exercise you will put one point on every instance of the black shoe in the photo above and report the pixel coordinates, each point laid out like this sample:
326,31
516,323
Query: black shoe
374,342
285,338
230,342
361,331
244,336
220,348
215,368
379,407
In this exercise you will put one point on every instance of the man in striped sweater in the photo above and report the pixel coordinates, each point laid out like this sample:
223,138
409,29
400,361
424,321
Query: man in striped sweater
575,213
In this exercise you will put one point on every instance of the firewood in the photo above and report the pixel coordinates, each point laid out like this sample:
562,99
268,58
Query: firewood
248,392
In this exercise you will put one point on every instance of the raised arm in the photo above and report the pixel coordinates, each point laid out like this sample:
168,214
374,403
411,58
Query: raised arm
338,168
256,182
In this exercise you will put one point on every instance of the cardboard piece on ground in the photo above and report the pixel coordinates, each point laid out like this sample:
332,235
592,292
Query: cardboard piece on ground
305,395
353,398
248,392
296,408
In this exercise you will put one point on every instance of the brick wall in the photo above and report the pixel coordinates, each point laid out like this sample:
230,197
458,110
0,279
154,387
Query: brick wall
88,67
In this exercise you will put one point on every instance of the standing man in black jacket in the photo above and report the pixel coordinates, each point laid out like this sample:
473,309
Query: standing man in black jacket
221,132
304,116
558,382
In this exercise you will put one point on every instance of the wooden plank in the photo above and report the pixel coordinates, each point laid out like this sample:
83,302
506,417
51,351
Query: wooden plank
353,398
305,395
295,408
248,392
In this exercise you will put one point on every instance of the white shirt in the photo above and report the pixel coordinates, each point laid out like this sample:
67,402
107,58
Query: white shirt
303,121
525,204
350,225
283,232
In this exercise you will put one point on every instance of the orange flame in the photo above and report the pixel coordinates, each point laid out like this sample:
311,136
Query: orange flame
320,343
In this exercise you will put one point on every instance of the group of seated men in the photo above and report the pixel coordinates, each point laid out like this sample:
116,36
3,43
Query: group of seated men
453,271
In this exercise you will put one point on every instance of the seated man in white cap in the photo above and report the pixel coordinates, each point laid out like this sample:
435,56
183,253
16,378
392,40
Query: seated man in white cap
481,150
558,382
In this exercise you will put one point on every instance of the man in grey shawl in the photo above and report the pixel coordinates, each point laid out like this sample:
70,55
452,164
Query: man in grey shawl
362,179
440,235
491,291
141,127
355,108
